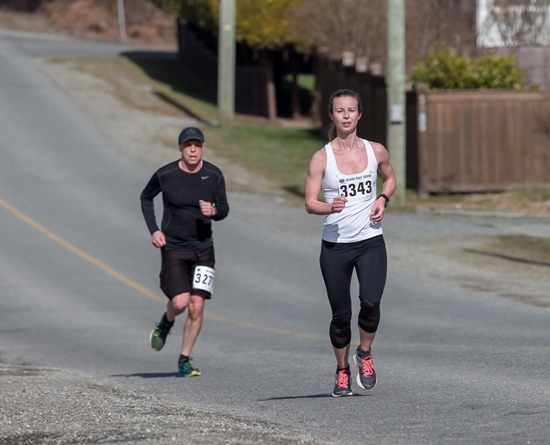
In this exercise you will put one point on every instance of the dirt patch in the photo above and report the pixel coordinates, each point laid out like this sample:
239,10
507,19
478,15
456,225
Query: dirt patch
518,248
145,24
476,263
514,201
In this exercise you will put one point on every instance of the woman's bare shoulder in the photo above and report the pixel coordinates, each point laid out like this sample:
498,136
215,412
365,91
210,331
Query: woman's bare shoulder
379,150
318,162
319,155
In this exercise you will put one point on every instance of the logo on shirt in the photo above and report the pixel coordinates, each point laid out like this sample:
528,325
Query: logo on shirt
205,177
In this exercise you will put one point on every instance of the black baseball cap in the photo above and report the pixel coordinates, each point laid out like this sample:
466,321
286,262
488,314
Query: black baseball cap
190,133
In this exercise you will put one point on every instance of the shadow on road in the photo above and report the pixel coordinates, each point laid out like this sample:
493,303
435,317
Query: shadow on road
312,396
148,375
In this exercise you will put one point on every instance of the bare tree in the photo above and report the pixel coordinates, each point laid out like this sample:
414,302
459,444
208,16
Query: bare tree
335,27
433,22
358,27
514,22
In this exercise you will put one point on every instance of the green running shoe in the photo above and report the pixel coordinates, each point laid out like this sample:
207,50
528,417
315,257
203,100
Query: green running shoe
159,334
187,369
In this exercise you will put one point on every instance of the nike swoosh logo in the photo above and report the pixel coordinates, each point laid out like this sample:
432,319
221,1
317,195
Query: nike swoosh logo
205,177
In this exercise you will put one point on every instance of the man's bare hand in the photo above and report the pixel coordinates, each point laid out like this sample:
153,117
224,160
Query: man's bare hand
159,239
207,208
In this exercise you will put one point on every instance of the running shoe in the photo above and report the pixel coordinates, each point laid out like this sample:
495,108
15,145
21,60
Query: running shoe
366,378
159,334
187,369
342,383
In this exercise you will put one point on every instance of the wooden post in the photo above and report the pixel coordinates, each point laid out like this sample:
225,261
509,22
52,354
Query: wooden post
422,150
267,63
226,63
396,95
121,20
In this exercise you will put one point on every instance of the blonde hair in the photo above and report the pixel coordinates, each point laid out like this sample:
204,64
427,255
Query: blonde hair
331,131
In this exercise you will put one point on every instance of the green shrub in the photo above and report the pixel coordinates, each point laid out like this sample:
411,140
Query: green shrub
443,69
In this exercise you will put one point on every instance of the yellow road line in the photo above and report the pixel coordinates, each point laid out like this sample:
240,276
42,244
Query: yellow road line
80,253
136,286
265,328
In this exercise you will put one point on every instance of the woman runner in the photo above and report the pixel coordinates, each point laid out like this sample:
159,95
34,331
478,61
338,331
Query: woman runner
346,170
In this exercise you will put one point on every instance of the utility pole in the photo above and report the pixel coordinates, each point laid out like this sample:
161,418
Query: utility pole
121,20
226,63
396,95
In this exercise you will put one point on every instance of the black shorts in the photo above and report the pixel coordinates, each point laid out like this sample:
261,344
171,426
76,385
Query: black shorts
178,267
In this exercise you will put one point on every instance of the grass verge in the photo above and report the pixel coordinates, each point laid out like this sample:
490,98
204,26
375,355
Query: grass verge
279,154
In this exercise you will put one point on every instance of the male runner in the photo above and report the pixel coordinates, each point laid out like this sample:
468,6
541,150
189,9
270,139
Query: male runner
193,194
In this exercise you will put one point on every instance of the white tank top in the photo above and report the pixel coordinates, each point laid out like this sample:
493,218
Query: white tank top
353,223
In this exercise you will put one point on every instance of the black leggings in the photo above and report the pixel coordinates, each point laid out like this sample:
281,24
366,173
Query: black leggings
338,260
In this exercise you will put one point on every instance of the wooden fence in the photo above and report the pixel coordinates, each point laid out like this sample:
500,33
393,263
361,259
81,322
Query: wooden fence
202,63
480,141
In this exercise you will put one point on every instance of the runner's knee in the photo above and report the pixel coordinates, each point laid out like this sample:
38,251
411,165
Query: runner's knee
340,330
196,306
180,302
369,315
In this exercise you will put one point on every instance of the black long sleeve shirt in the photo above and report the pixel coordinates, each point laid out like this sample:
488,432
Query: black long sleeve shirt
183,224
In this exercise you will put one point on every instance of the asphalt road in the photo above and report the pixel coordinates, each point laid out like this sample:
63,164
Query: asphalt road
78,290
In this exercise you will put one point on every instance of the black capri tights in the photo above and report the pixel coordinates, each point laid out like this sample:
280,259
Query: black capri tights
338,260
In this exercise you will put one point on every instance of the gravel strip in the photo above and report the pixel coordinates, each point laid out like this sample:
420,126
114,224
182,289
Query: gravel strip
54,406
